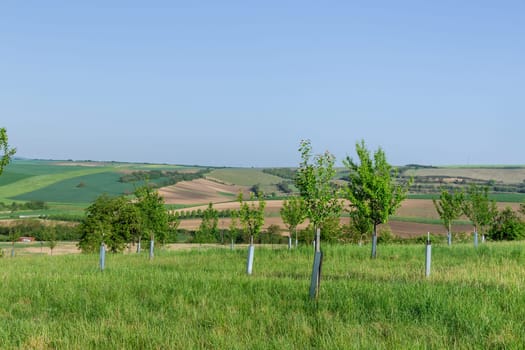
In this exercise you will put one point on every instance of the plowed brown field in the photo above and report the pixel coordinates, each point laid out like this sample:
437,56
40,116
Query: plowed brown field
417,208
200,191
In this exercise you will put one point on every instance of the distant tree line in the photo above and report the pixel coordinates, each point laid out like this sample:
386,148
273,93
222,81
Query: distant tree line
162,177
31,205
199,213
285,173
38,229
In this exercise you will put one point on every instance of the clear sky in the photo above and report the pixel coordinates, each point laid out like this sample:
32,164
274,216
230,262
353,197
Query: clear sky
240,83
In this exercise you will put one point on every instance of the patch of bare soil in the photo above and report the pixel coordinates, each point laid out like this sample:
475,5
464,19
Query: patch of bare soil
14,222
87,164
61,249
414,229
200,191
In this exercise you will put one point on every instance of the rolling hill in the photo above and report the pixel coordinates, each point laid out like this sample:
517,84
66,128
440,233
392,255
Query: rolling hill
69,187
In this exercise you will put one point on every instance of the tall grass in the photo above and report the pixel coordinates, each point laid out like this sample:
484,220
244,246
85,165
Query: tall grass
203,299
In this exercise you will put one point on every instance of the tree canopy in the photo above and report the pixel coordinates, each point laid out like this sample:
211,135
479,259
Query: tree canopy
293,213
209,227
478,207
252,215
372,189
448,207
6,151
117,221
314,181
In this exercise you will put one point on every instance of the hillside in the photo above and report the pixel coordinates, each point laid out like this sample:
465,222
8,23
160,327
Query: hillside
67,187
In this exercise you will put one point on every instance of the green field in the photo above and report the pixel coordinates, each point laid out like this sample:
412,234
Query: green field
244,176
503,174
80,189
68,187
247,177
202,299
70,182
498,197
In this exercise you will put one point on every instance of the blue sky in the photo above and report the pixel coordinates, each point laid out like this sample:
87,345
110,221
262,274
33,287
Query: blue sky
240,83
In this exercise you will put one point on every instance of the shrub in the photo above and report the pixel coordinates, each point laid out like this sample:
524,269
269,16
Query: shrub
507,226
385,235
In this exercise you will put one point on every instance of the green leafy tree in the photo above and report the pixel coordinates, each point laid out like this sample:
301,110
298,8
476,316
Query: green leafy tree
372,189
155,217
129,222
252,215
101,224
14,234
233,229
360,226
174,222
209,227
50,236
448,207
479,208
272,231
293,213
314,181
507,225
7,151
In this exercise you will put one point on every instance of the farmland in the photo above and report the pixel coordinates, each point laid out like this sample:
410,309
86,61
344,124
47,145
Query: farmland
202,299
70,186
200,296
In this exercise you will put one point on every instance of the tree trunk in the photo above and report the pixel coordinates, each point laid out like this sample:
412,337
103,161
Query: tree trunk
102,256
289,242
374,242
318,240
249,262
151,245
449,235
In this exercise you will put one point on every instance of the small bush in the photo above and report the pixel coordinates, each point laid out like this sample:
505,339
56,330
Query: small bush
385,235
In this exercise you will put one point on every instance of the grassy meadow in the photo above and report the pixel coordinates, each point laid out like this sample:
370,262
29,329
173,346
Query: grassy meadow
202,299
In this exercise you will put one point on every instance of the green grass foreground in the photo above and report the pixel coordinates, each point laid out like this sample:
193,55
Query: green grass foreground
474,299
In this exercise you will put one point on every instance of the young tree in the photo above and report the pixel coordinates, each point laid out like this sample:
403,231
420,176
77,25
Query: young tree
449,208
321,198
174,222
251,215
50,237
479,209
155,217
233,228
314,181
273,230
372,189
252,219
14,234
293,213
6,151
208,229
101,225
360,225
